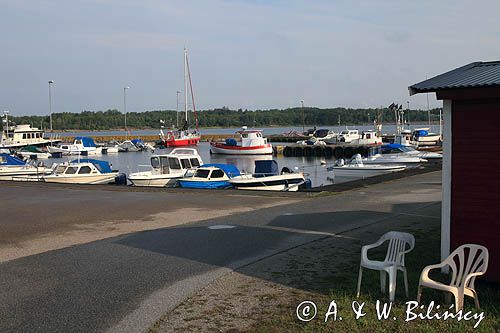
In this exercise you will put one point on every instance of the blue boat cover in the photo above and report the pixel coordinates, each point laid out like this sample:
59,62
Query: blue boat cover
421,133
102,166
266,168
6,159
86,141
231,142
229,169
137,141
392,145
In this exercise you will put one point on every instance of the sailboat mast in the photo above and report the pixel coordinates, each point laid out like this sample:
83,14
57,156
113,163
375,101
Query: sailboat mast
185,85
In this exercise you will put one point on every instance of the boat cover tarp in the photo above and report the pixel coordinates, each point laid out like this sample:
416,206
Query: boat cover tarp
30,149
266,168
229,169
6,159
137,141
392,146
231,142
321,133
102,166
86,141
421,133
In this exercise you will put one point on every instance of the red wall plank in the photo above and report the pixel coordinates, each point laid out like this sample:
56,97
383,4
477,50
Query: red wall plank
475,188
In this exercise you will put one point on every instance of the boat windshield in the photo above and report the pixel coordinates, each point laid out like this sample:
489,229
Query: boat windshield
407,149
195,162
344,132
60,169
185,163
155,162
202,173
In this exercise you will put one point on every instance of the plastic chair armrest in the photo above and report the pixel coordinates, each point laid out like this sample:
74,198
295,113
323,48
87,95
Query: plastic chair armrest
471,275
427,269
365,248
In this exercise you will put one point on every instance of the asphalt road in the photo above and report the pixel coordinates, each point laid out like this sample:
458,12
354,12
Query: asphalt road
125,283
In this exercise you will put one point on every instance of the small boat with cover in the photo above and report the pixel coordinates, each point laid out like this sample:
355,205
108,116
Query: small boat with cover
82,171
213,176
267,178
12,166
81,145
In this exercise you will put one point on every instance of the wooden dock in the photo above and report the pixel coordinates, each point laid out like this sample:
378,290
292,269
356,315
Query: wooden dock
337,151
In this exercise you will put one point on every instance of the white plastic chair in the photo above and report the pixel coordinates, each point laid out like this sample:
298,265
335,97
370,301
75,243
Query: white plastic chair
400,243
465,267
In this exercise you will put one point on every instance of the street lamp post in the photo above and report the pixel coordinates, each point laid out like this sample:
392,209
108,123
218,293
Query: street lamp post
177,108
50,103
303,117
125,105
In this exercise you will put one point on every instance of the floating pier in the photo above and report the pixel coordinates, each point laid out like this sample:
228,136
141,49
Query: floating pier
337,151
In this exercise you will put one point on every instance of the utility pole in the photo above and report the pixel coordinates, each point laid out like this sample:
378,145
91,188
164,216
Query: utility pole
50,103
125,106
303,117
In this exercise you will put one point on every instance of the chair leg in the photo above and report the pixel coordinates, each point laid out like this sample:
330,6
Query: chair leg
359,280
459,301
406,283
476,299
392,284
419,293
382,281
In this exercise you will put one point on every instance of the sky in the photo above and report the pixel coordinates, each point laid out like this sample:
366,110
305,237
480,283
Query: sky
249,54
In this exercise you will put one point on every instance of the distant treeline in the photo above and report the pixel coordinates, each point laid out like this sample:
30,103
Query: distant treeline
223,117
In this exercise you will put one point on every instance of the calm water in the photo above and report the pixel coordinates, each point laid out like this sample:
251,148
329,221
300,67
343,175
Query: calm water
311,166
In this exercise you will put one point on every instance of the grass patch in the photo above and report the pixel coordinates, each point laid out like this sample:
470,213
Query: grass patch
341,287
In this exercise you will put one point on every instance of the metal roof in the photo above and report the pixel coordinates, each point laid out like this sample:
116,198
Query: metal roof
476,74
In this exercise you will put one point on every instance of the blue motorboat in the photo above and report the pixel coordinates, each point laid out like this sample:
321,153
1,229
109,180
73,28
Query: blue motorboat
214,176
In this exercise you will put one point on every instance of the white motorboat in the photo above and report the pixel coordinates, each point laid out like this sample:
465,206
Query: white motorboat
33,152
347,136
82,171
402,150
166,169
17,136
81,146
12,166
252,143
422,137
356,168
267,178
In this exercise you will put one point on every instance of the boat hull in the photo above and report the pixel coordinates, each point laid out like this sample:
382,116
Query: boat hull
220,148
153,181
286,182
82,179
11,172
182,142
366,171
204,184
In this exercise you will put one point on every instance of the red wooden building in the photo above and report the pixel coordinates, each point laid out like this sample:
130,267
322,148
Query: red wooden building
471,161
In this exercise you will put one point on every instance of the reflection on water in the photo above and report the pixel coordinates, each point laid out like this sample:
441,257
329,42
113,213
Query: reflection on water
314,168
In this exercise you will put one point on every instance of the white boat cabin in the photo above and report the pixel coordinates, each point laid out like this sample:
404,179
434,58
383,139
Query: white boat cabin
348,136
369,137
23,135
176,162
251,138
